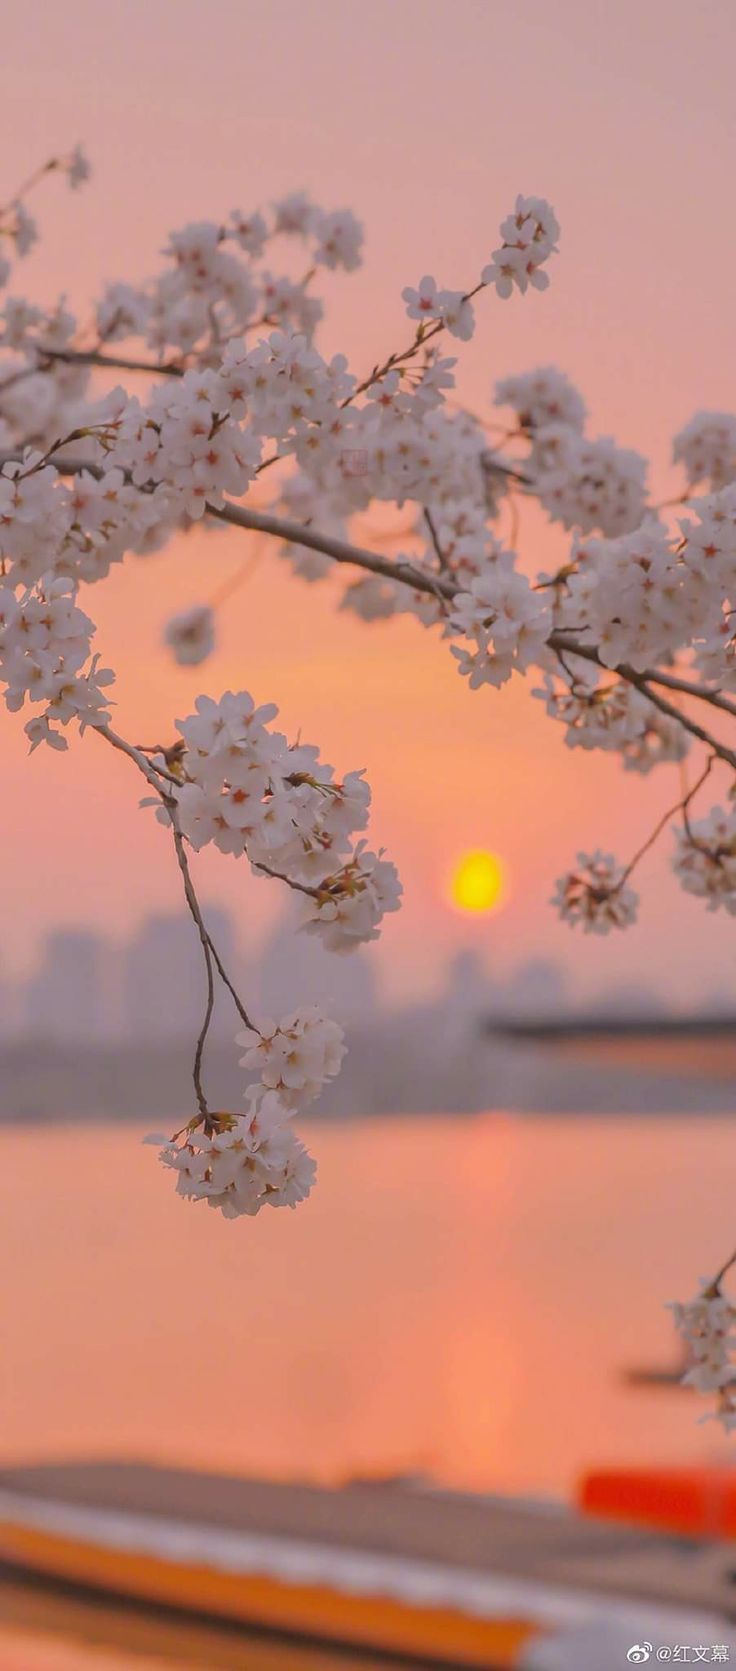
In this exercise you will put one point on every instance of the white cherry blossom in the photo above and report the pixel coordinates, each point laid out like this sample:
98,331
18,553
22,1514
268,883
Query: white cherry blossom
595,895
705,858
191,635
505,621
528,240
295,1056
706,446
542,397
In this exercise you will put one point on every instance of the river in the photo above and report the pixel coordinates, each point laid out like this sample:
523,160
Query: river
462,1297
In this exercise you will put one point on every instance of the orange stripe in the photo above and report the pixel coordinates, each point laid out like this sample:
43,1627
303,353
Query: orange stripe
312,1610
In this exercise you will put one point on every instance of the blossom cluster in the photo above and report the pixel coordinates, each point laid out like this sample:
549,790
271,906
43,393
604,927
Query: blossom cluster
18,228
240,1163
599,712
248,791
213,285
504,622
707,1327
646,596
191,635
45,659
528,239
633,595
705,858
595,895
706,447
587,484
542,397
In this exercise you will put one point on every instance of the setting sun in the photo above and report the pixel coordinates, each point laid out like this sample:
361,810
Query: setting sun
478,881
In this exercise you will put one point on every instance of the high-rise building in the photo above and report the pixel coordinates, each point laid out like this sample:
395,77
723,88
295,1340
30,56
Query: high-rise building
68,996
164,985
294,969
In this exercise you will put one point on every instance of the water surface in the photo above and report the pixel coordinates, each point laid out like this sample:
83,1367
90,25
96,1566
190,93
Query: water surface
461,1296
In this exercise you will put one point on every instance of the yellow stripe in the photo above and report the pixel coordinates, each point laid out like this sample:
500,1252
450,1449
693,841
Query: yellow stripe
312,1610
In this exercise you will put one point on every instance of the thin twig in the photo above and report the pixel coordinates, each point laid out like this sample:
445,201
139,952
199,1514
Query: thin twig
193,903
515,521
690,688
439,553
235,581
150,771
30,181
280,876
668,708
653,675
225,978
715,1283
154,775
194,906
421,339
680,806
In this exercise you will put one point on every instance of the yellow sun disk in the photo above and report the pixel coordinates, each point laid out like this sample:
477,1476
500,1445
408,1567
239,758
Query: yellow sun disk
478,882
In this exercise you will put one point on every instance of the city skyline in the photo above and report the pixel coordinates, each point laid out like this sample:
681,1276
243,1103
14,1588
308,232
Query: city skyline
87,986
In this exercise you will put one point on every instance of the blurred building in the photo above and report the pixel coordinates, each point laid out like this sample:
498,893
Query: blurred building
164,980
538,987
68,996
294,969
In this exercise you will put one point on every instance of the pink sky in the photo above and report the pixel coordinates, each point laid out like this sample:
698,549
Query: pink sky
426,118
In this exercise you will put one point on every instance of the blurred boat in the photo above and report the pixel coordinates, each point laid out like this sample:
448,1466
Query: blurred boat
417,1575
692,1502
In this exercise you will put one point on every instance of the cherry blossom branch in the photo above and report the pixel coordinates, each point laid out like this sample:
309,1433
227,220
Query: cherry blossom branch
421,339
670,681
690,688
280,876
400,358
221,970
153,776
117,362
31,180
642,683
439,553
193,903
158,777
680,806
404,573
114,362
236,581
715,1283
153,772
301,533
